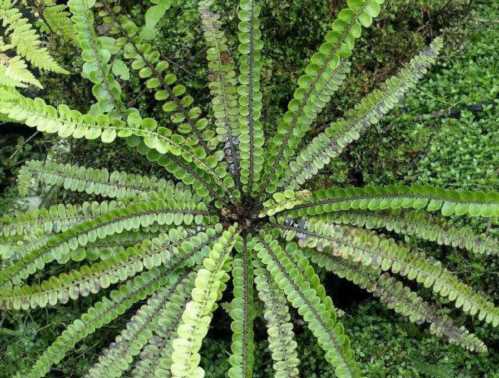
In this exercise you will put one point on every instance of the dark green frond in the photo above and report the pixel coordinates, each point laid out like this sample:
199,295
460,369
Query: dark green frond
282,342
152,316
320,316
251,136
369,111
169,250
242,312
421,225
383,253
158,210
223,87
323,75
100,182
399,298
99,315
375,198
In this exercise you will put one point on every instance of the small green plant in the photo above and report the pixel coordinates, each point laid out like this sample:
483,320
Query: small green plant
239,206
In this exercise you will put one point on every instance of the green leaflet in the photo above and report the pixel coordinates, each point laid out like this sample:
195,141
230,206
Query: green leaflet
155,210
399,298
374,198
101,182
385,254
209,285
421,225
282,342
323,74
153,16
251,138
302,293
328,145
99,315
242,312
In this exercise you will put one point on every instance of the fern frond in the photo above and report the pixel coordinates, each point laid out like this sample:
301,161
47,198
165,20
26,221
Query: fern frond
421,225
223,87
96,53
99,315
320,316
209,285
281,337
383,253
57,18
154,210
251,135
323,75
179,105
169,250
71,123
140,329
242,312
399,298
15,73
374,198
100,182
24,38
155,358
369,111
51,220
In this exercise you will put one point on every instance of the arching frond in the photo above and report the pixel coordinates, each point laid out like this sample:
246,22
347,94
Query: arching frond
251,136
242,312
223,87
320,316
323,75
328,145
169,250
383,253
282,342
99,315
399,298
421,225
375,198
55,219
158,310
100,182
155,358
158,210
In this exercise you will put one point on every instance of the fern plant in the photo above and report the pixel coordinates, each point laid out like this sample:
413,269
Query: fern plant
236,211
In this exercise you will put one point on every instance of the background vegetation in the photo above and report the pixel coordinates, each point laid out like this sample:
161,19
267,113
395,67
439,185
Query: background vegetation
445,134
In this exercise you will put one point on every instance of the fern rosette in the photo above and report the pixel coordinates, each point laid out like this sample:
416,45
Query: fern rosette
234,216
